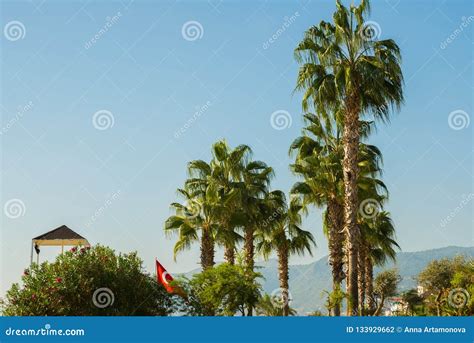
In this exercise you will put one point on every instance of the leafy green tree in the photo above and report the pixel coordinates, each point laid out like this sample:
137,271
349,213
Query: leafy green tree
436,280
448,286
385,285
347,71
412,301
223,290
462,288
88,282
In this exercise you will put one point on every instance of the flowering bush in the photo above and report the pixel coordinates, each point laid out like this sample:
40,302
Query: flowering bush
85,282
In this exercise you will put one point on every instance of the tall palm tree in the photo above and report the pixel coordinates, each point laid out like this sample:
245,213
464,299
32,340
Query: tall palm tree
319,153
317,161
285,238
228,167
256,180
345,67
210,195
252,192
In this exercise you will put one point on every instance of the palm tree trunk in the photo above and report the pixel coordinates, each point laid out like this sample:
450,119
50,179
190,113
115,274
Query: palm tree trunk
249,256
229,254
361,278
207,248
283,276
351,201
369,283
249,248
335,243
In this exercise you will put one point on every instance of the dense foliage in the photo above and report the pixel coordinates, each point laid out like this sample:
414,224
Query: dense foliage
448,287
223,290
88,282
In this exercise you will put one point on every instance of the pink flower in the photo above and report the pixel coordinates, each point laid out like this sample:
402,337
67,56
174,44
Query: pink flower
58,280
83,250
33,296
74,249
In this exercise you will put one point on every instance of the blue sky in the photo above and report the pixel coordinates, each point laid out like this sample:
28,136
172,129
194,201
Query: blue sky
151,80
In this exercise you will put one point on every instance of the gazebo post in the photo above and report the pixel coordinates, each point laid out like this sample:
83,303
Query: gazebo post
31,256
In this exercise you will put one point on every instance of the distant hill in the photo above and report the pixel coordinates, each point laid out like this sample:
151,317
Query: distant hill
308,282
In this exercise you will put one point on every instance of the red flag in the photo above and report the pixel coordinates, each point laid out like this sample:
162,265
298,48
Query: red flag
163,277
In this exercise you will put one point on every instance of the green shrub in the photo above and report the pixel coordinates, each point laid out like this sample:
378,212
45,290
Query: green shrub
88,282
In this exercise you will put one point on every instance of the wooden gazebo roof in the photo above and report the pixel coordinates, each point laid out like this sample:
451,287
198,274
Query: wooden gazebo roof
59,237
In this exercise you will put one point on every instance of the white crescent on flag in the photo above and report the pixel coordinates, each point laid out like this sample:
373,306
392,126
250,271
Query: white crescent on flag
163,277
